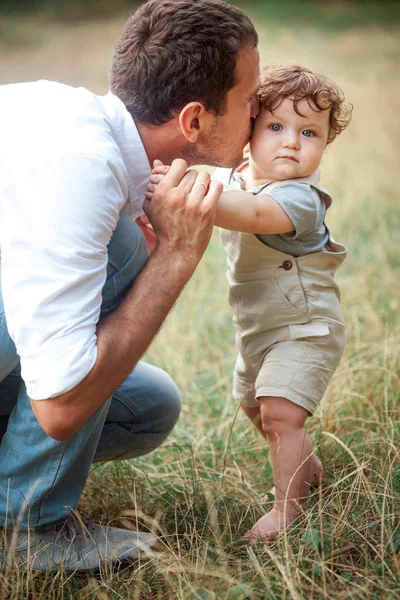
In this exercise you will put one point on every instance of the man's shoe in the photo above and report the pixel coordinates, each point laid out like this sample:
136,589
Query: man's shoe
74,546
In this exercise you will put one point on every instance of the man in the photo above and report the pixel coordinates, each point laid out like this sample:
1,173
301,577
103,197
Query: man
82,301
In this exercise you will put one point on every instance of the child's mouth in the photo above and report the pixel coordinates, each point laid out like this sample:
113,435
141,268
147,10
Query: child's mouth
289,158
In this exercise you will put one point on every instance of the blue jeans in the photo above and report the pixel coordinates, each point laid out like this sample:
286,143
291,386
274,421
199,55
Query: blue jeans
42,479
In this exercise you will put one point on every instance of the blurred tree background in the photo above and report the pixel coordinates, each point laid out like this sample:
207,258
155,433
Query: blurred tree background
332,14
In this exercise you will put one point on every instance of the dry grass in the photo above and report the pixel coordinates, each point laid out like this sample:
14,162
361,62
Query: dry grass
203,488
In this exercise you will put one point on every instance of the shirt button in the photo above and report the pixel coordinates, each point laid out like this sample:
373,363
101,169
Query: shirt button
287,265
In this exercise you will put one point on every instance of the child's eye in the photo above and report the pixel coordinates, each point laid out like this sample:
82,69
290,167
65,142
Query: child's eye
275,127
308,133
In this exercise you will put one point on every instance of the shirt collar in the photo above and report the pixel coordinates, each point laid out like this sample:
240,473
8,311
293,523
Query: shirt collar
236,178
132,150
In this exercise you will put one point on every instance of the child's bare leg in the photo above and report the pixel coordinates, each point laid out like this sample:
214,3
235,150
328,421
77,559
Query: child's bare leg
317,470
282,424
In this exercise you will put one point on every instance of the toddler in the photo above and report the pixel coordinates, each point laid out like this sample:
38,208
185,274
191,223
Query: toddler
290,332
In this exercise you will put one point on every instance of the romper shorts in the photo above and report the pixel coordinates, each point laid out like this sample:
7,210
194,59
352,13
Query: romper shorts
297,363
290,331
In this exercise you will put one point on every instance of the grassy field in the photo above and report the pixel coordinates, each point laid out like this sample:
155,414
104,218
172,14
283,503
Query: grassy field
207,485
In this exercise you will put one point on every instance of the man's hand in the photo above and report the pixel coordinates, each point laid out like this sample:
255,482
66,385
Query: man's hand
182,210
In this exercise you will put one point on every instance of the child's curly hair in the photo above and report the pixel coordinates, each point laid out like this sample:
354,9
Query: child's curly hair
298,82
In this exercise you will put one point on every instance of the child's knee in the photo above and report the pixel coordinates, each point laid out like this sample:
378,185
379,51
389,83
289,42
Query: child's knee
280,415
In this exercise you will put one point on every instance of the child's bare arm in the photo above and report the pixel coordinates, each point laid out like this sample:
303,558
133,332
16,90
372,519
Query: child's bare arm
238,210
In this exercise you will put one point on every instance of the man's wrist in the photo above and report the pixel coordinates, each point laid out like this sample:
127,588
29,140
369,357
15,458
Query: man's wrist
183,263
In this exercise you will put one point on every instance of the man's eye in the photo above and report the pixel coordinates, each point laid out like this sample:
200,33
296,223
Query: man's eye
275,127
308,133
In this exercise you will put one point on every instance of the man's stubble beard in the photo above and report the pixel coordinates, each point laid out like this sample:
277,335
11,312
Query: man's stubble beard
212,151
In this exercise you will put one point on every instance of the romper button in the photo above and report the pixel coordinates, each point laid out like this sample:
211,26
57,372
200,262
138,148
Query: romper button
287,265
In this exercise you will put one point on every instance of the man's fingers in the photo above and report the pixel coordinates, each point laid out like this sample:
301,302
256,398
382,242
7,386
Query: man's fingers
187,181
175,174
200,186
182,209
215,190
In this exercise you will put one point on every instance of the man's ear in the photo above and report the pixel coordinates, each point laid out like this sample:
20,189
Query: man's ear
193,119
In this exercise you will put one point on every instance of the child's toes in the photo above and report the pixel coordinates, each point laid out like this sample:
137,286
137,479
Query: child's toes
252,537
259,533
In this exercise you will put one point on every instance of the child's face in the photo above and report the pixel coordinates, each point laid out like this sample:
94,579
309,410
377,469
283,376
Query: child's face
285,145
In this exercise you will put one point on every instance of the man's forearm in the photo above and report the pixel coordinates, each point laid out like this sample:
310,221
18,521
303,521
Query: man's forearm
122,338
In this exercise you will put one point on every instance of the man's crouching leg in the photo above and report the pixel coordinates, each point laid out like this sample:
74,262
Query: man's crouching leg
42,479
142,413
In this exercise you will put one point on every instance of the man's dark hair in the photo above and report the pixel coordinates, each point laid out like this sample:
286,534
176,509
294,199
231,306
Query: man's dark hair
177,51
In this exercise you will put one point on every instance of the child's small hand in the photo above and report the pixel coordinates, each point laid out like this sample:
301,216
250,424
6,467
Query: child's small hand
148,232
157,175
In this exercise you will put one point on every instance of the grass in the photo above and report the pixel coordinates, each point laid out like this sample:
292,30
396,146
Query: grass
208,483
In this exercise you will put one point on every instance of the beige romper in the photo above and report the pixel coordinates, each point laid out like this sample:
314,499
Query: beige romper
290,331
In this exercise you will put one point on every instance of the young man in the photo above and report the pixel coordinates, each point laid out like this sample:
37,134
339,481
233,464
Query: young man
80,299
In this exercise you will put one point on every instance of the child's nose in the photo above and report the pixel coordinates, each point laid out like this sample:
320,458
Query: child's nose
292,141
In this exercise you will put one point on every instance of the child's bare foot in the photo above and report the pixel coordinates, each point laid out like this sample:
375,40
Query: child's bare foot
270,525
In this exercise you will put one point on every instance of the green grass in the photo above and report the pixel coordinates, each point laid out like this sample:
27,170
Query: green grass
207,484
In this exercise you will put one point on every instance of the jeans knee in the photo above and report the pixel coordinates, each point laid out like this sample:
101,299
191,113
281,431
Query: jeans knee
148,402
138,423
143,412
170,400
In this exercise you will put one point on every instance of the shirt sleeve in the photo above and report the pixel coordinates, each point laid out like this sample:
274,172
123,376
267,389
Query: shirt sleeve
54,262
224,176
301,202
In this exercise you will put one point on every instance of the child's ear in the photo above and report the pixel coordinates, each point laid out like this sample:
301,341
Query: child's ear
246,151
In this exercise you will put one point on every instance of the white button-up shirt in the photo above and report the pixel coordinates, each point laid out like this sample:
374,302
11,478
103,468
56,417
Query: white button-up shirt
70,161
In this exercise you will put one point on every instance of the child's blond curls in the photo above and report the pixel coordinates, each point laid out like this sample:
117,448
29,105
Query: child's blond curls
297,82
